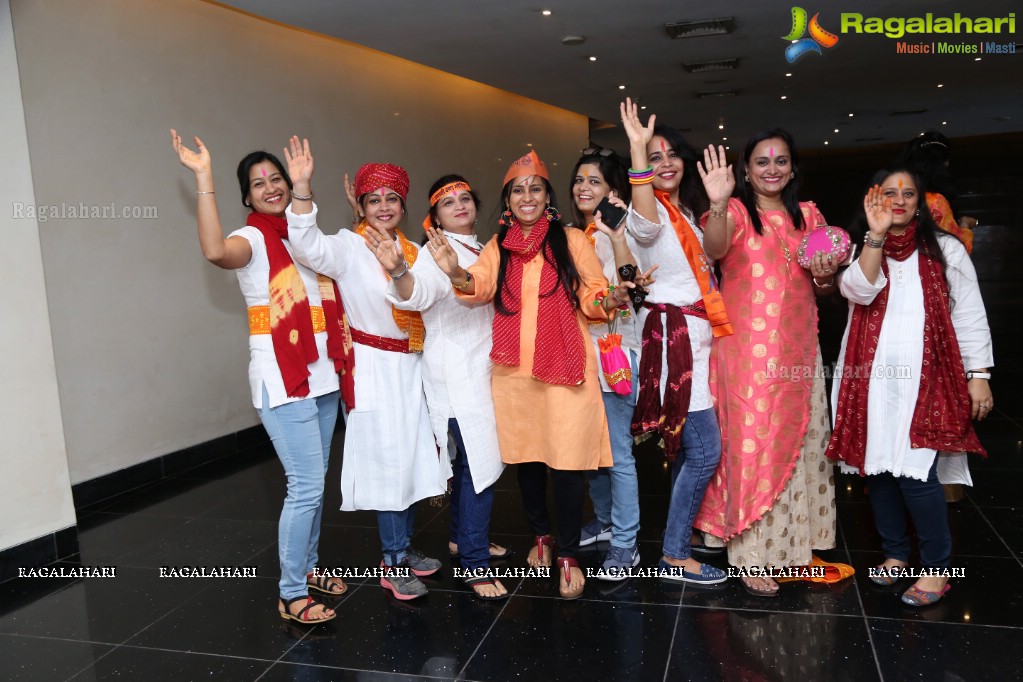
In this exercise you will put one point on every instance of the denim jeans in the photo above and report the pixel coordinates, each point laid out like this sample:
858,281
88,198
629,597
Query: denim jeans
695,466
470,512
615,490
301,432
890,496
395,533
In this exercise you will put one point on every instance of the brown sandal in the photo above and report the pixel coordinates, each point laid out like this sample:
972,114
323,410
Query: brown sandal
303,615
574,587
537,557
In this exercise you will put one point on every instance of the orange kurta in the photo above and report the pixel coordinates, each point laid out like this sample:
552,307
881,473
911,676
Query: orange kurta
564,427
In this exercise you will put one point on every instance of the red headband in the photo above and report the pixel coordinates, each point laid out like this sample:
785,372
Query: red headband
373,176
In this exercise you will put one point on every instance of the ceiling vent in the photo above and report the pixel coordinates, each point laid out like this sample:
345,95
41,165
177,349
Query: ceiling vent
710,94
715,65
908,112
699,29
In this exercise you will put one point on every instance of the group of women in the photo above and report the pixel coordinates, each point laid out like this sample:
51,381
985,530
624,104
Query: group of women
496,347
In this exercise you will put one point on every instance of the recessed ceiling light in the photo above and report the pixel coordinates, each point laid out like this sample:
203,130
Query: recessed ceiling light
941,85
784,96
724,139
643,107
836,130
977,59
788,75
529,144
546,13
944,123
850,115
593,59
621,87
721,127
727,147
825,141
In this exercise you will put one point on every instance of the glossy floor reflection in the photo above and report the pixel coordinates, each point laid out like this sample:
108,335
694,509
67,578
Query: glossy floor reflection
139,626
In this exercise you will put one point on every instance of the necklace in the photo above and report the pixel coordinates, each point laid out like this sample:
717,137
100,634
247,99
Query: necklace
476,249
777,233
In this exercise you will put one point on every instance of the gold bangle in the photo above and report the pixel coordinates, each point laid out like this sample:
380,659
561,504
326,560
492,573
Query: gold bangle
464,285
718,212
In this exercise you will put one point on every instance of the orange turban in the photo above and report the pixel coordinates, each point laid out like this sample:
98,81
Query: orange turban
530,164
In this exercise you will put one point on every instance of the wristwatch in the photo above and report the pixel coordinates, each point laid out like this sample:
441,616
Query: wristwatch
978,375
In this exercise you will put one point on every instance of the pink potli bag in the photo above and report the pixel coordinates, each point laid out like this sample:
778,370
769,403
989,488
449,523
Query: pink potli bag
613,362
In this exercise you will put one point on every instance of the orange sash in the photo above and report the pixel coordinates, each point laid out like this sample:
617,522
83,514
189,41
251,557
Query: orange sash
701,267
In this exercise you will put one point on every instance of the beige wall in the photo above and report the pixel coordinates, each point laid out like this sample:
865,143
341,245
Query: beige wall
35,493
149,339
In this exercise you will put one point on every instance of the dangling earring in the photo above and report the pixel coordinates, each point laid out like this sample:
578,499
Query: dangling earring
917,214
745,177
552,214
506,218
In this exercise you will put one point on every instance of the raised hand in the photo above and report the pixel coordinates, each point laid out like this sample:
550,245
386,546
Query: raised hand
645,279
878,209
299,159
199,161
717,176
353,201
637,133
387,250
443,253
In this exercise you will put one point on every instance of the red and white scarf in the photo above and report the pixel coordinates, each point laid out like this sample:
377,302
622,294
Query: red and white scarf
559,356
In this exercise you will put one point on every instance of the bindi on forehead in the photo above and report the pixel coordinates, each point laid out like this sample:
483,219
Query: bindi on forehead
263,171
770,152
900,183
664,149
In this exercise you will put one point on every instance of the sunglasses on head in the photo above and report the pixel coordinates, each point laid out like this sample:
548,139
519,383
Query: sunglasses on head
597,151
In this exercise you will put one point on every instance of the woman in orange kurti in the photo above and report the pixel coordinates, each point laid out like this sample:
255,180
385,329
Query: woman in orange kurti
543,280
772,497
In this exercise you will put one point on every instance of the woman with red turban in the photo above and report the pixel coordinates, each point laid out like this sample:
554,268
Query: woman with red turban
390,457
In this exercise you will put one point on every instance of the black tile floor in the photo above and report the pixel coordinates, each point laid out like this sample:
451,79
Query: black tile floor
139,626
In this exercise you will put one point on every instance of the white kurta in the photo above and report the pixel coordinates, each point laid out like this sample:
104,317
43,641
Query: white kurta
390,457
895,373
657,244
631,327
456,361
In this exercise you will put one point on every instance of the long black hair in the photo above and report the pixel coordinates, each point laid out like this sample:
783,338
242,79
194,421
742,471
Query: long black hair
564,266
615,175
789,195
927,231
447,180
691,193
250,160
928,156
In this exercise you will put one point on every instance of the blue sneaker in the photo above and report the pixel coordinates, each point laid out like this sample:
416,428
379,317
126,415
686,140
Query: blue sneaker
708,575
593,532
618,562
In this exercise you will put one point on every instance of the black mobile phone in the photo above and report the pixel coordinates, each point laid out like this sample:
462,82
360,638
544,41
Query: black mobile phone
611,215
627,273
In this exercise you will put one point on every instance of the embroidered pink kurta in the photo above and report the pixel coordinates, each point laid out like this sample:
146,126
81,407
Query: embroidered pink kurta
762,375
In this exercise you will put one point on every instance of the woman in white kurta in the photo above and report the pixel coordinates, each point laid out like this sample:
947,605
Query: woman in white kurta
294,386
912,292
391,459
456,373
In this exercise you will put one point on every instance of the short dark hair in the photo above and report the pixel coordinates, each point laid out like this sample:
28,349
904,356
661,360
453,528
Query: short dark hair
250,160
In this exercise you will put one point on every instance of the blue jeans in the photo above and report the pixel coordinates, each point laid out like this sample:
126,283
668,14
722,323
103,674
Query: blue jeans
701,452
395,532
301,433
615,490
890,496
470,513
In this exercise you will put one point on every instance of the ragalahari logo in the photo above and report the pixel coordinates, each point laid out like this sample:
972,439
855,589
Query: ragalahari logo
818,36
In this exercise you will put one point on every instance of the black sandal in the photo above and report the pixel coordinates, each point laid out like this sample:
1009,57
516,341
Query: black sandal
474,581
300,617
322,583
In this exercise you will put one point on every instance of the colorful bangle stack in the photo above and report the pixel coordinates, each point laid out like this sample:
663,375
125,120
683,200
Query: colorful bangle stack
642,177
